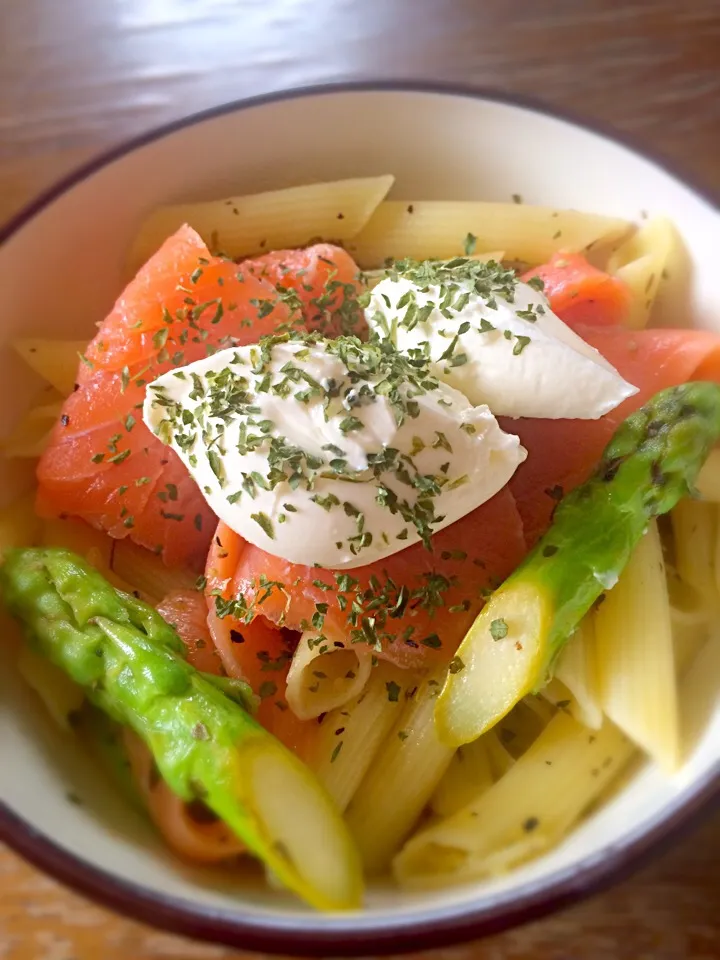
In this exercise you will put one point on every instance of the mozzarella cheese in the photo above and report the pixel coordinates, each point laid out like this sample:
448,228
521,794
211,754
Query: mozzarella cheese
326,452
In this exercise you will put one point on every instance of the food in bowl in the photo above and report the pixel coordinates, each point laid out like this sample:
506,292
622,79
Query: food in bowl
352,519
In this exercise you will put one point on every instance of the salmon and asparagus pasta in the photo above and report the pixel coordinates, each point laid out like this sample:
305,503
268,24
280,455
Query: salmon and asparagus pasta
398,515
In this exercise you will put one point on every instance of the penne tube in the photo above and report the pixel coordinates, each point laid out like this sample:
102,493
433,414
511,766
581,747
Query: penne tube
517,729
469,774
56,361
19,524
401,780
349,737
557,695
146,573
691,617
641,261
576,669
695,533
540,707
687,605
95,546
260,222
529,809
698,693
80,537
635,656
436,229
707,483
501,760
508,857
31,434
325,674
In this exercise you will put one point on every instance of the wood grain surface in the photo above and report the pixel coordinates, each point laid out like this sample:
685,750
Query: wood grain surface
77,76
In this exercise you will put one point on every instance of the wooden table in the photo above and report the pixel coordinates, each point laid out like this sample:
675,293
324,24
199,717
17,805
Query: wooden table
81,75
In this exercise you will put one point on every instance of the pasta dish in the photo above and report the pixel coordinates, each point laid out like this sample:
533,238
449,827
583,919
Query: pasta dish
370,535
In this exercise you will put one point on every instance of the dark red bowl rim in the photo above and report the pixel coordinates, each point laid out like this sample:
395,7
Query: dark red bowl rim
386,935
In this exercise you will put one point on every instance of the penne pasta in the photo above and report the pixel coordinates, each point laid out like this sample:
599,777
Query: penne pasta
436,229
687,606
80,537
97,547
32,432
145,572
56,361
695,533
519,728
350,736
698,692
19,524
530,808
401,781
539,706
635,657
513,854
260,222
576,669
556,694
708,480
469,774
324,674
691,617
501,760
641,261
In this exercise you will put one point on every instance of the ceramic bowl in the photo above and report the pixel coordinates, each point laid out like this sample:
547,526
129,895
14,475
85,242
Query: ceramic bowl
60,270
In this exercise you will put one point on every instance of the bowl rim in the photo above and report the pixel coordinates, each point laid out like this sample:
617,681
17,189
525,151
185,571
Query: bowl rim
385,936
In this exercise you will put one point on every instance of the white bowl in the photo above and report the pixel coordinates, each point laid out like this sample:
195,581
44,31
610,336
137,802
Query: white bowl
60,270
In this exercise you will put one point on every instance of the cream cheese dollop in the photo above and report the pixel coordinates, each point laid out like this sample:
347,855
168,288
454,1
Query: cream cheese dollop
330,452
495,339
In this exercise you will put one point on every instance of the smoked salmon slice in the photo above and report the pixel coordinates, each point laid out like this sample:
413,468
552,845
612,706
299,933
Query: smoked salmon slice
563,453
579,293
323,281
413,607
258,653
102,464
186,610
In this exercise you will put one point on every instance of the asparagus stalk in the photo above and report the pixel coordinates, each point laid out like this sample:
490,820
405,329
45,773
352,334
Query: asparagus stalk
147,619
650,463
128,659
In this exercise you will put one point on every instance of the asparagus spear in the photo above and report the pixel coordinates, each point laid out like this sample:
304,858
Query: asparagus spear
149,621
650,463
128,660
